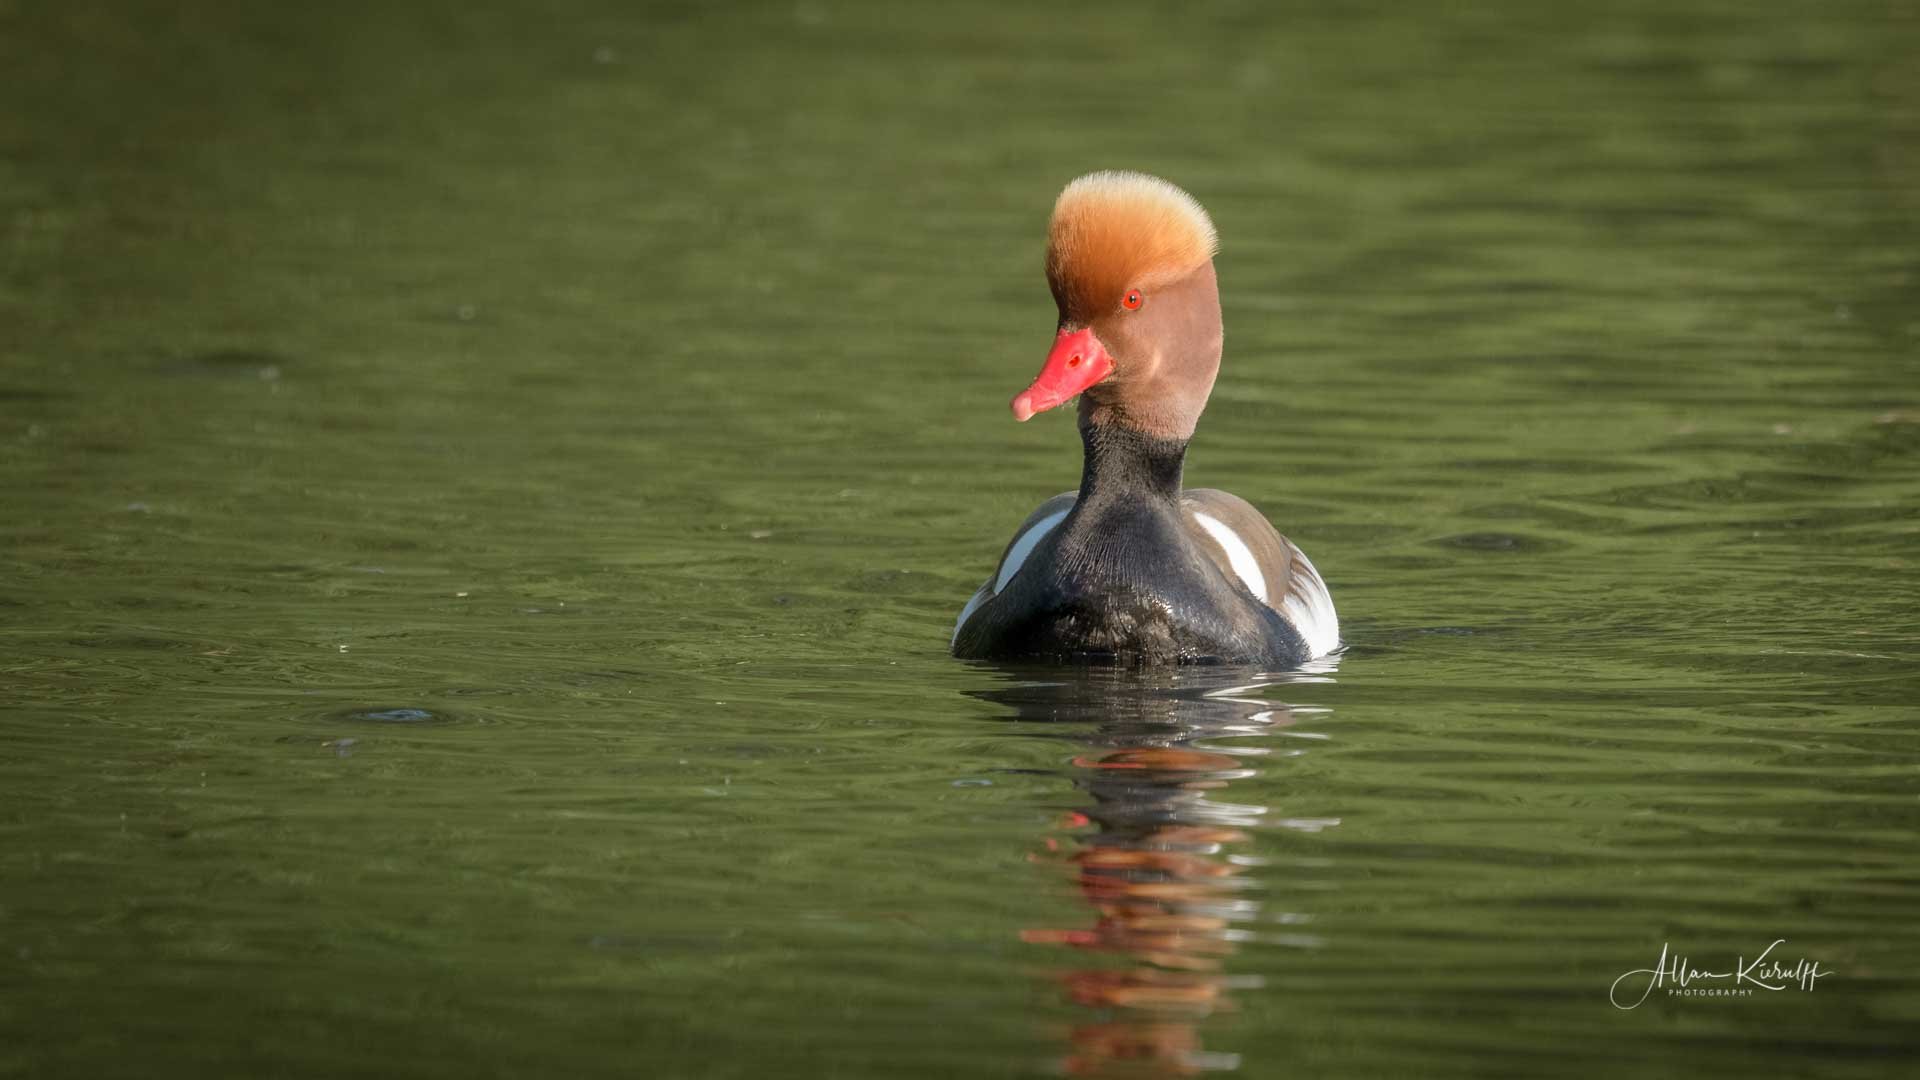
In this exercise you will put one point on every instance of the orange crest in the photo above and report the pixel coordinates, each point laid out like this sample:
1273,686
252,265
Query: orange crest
1116,231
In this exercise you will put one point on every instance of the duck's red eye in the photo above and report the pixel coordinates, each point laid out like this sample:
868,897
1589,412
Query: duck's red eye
1132,301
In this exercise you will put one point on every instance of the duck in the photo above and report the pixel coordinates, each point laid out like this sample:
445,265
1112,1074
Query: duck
1134,568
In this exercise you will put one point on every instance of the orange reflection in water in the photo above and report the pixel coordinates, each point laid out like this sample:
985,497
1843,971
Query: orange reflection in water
1154,863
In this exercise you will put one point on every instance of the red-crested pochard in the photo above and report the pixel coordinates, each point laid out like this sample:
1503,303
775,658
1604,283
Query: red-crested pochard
1132,568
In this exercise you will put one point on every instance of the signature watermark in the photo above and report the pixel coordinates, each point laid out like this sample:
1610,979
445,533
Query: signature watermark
1681,979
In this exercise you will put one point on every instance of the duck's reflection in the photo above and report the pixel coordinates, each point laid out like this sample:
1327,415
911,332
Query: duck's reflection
1159,853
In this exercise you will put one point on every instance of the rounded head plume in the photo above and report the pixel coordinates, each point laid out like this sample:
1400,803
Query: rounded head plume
1113,231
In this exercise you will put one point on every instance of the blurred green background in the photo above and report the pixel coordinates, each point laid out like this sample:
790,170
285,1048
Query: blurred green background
485,488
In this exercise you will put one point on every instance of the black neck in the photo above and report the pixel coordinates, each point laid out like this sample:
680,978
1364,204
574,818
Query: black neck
1124,463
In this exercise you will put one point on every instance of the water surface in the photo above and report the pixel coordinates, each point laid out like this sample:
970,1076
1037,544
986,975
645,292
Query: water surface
486,493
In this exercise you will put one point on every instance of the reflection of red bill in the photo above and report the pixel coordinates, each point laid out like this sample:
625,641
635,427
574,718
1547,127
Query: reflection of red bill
1082,938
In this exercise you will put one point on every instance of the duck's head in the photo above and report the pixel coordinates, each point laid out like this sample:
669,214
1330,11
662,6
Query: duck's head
1130,262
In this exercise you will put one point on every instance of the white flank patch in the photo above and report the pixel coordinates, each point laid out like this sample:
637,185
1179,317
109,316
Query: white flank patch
1239,555
973,605
1016,558
1309,607
1023,547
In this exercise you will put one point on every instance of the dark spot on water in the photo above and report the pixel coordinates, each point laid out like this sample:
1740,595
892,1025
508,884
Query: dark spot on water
401,716
1413,562
1566,466
32,393
405,714
1389,637
226,363
587,678
657,944
385,543
1500,542
885,581
127,642
543,379
160,603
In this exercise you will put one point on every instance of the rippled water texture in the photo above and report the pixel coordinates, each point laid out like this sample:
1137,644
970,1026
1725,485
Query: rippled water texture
486,492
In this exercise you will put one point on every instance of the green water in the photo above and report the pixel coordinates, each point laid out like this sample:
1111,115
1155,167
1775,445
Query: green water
484,492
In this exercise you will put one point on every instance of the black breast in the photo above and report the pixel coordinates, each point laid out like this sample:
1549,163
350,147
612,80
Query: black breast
1122,582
